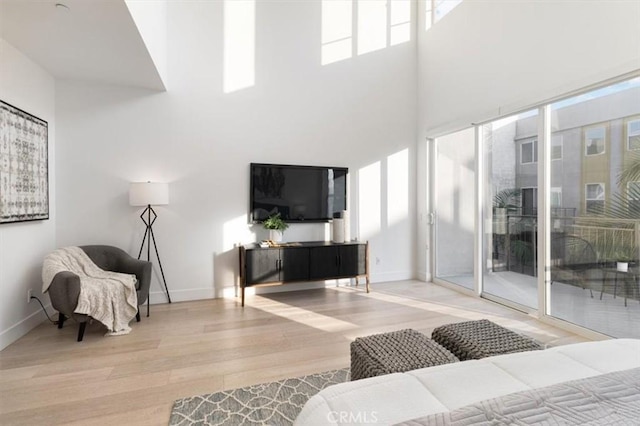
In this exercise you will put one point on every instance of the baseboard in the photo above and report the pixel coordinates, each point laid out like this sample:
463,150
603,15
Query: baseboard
377,278
20,329
158,297
300,286
391,276
423,276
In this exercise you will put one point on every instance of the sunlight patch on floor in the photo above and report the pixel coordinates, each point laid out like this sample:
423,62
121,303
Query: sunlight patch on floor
464,313
300,315
429,306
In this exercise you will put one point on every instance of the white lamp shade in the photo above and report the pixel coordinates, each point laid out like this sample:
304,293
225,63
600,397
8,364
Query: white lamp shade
148,193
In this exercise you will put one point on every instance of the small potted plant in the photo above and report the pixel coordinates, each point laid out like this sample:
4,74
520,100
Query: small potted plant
276,227
624,256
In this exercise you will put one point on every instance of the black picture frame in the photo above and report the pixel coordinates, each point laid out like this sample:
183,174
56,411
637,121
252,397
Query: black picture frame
24,166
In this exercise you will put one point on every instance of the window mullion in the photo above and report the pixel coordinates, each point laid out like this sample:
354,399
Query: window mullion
479,211
544,210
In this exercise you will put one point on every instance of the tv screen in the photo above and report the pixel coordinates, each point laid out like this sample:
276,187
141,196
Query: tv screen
298,193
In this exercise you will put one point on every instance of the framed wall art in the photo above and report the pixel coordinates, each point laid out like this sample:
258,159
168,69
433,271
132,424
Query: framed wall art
24,168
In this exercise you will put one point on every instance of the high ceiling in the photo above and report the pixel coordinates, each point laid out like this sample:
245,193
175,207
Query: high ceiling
88,40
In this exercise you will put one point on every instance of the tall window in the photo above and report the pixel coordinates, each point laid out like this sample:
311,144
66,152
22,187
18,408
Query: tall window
556,198
352,27
594,196
633,135
529,152
594,140
556,147
633,196
529,201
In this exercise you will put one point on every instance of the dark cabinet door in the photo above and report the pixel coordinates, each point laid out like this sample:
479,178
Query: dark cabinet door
352,260
263,266
294,264
325,263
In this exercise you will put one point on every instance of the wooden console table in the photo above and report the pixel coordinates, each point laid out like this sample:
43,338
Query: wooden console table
304,261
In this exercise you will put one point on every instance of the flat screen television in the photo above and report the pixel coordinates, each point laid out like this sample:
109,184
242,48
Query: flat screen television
298,193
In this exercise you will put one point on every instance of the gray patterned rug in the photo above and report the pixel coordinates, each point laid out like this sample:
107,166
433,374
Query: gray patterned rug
275,403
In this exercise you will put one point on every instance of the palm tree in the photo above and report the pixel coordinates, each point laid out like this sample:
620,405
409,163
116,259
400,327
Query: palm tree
508,199
621,205
631,173
624,210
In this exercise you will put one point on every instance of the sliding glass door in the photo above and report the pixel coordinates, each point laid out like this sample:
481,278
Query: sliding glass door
510,200
594,210
455,181
560,203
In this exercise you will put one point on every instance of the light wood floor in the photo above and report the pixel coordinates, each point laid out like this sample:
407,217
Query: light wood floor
191,348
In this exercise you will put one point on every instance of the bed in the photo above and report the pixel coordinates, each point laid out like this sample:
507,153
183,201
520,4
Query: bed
584,383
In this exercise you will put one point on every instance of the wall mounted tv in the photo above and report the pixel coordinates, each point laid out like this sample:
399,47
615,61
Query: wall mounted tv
298,193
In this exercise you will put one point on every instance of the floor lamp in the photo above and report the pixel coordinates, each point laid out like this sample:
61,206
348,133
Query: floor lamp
148,194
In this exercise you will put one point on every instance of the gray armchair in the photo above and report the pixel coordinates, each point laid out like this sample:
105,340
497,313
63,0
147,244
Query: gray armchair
65,287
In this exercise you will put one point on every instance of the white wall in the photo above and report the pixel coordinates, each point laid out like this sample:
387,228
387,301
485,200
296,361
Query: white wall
491,58
488,59
358,112
25,85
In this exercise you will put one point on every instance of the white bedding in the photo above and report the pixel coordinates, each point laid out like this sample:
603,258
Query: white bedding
398,397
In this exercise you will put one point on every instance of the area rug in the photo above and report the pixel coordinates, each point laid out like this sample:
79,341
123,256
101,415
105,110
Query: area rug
274,403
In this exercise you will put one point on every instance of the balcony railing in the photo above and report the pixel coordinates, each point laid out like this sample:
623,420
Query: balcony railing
611,238
515,238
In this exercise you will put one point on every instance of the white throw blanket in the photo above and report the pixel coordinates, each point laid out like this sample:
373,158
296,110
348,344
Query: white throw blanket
109,297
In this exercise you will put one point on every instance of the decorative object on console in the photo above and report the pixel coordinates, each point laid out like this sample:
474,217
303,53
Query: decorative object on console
24,168
340,227
347,225
148,194
276,227
337,230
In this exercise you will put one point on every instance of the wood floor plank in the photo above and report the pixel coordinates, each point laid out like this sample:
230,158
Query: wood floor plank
189,348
